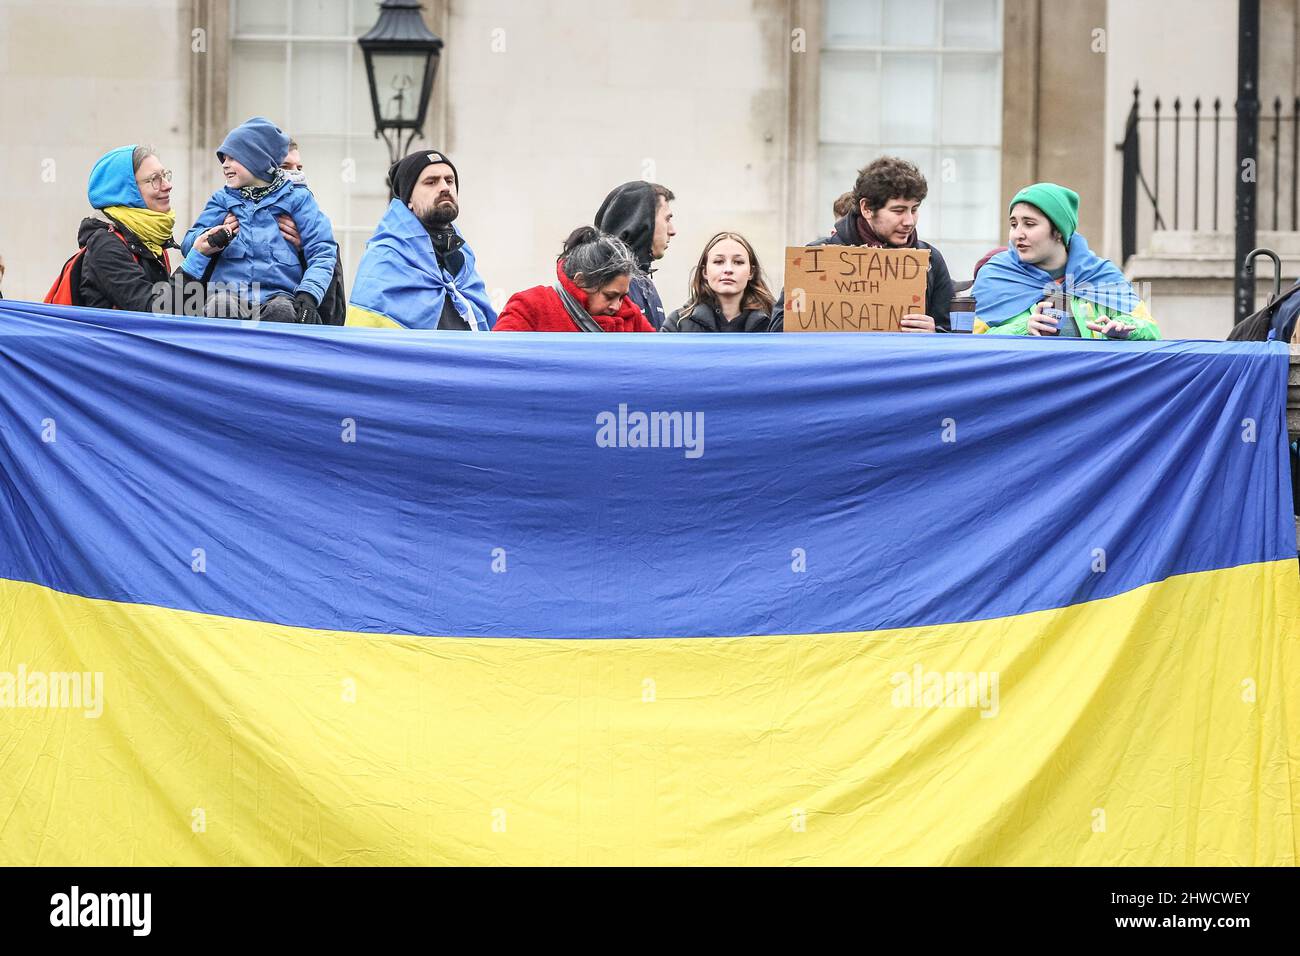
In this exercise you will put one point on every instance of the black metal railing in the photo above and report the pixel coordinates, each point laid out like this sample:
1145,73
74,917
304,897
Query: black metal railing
1180,168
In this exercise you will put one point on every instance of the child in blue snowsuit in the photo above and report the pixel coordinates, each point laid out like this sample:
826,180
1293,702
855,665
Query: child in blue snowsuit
259,274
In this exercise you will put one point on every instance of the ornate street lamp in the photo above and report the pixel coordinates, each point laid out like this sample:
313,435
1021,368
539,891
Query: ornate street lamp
401,60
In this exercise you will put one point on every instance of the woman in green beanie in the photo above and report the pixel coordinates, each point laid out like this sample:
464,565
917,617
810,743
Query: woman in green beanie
1047,257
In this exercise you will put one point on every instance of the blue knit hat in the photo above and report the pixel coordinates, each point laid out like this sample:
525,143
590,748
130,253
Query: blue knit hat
258,145
112,181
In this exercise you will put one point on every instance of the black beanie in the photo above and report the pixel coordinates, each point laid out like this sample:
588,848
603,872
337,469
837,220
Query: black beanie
405,173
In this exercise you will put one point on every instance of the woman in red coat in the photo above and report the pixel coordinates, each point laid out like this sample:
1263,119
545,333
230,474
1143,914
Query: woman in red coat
589,295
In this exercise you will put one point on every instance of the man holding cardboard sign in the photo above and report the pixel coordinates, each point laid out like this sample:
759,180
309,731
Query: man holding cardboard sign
832,288
872,291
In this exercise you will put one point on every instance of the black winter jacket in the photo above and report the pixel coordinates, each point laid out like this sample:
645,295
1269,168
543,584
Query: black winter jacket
708,318
126,275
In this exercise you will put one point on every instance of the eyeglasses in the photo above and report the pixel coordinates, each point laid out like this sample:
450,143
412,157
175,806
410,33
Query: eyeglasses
156,180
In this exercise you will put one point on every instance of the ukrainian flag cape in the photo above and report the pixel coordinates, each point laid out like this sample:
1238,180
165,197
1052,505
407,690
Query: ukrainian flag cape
1007,285
314,595
400,284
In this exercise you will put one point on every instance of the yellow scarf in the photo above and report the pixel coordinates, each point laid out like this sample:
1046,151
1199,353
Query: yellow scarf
152,228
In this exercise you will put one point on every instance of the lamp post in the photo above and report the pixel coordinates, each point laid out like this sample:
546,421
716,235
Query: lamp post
1247,149
401,61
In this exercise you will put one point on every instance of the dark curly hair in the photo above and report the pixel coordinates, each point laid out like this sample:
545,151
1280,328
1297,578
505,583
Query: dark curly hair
889,178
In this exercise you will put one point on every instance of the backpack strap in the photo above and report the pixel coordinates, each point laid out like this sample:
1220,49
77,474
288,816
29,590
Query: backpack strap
112,227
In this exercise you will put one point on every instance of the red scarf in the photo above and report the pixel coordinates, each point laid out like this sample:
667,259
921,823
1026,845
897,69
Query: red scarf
869,237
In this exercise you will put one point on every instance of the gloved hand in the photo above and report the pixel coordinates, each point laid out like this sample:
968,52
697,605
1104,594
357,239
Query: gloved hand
305,309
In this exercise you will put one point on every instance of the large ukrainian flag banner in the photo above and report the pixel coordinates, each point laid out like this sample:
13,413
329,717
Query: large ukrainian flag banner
291,595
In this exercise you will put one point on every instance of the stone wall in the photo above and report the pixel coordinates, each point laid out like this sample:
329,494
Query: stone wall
80,78
582,96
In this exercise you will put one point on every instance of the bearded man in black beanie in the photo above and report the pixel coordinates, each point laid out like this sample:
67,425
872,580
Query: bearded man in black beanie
418,272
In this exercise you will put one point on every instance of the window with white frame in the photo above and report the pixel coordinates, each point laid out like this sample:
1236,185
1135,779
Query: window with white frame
920,79
297,63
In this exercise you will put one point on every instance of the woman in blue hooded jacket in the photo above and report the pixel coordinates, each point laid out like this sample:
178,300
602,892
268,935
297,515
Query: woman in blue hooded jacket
127,237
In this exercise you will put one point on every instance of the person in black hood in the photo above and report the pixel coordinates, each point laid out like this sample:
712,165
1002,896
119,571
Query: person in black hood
641,214
888,194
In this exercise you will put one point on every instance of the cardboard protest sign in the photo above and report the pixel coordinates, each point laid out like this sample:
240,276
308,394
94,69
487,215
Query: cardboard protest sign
853,288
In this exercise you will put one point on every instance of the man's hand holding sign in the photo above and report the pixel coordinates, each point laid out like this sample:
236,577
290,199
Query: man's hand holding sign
856,289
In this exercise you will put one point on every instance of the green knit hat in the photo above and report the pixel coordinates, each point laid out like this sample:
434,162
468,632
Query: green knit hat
1060,205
